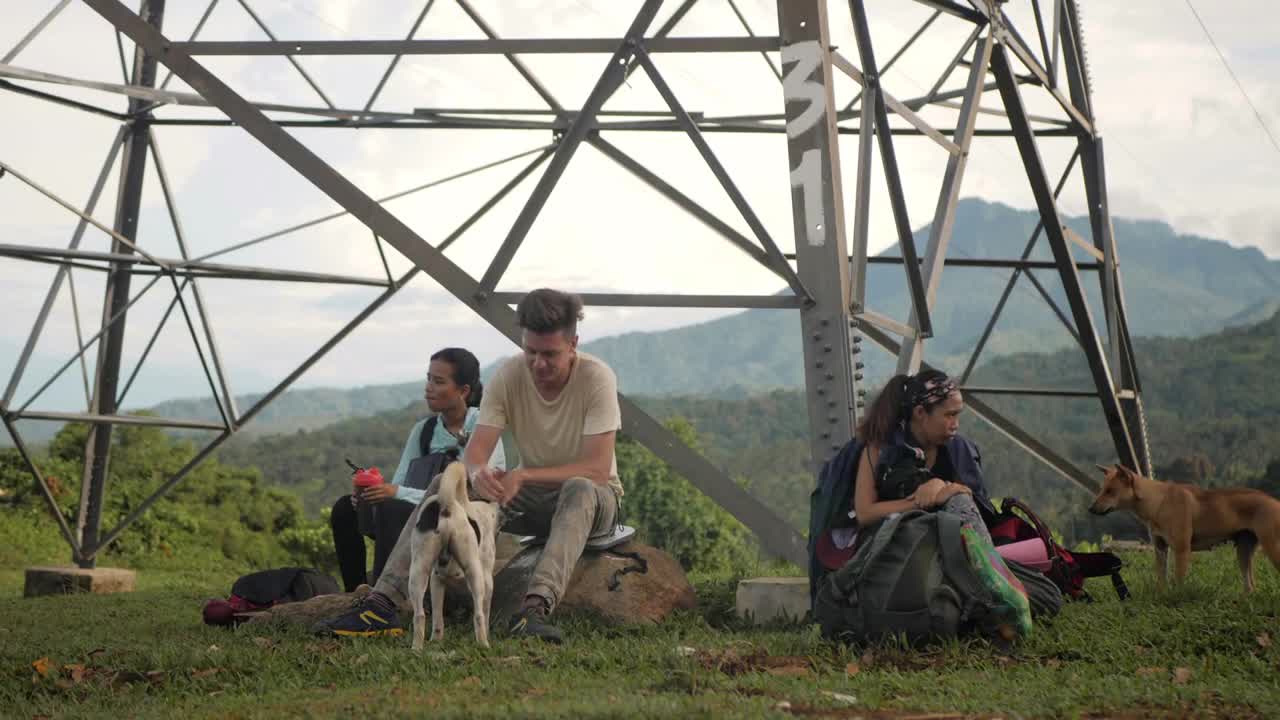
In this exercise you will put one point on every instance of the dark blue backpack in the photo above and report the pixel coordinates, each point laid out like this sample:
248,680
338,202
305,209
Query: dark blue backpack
829,504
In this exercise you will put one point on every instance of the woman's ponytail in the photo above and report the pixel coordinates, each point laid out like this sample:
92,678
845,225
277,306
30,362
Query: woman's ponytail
886,412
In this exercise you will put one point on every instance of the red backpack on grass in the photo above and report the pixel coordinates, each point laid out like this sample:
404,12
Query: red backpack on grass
1016,524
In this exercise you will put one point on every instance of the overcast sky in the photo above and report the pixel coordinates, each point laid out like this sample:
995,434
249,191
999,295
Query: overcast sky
1183,147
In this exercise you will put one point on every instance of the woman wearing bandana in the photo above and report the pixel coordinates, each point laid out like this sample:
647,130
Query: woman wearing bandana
914,457
907,455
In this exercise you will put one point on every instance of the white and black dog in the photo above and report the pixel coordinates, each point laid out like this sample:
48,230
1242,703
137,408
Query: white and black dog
453,538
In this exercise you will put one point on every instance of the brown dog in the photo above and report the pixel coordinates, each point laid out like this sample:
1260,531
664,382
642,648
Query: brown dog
1187,518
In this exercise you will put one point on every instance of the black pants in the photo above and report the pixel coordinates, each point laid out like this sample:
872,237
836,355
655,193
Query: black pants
389,518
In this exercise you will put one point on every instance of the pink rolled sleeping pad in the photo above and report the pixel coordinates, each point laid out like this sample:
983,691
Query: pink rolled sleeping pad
1031,553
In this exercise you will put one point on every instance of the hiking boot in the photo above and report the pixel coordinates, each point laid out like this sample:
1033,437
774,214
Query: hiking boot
531,621
370,618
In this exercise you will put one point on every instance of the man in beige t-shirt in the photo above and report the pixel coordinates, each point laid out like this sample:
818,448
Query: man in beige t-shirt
562,408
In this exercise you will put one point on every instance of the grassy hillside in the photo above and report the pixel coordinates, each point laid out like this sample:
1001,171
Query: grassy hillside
1203,651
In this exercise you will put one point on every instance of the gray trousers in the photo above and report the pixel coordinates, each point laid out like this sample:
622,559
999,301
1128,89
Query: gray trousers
567,515
962,504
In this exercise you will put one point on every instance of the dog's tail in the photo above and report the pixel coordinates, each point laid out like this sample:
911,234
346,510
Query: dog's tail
453,488
452,493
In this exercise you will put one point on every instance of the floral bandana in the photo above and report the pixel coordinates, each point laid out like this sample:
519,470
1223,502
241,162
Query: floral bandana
929,393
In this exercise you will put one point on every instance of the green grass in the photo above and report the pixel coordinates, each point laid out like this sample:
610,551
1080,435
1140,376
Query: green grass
1201,650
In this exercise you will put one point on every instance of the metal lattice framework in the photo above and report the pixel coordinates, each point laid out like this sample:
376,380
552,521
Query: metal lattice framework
825,276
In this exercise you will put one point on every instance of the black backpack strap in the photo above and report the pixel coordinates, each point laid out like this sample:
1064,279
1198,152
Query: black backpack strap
1117,582
1101,564
639,565
428,430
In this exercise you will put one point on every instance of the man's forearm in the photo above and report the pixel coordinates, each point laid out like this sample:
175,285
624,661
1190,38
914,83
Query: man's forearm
473,460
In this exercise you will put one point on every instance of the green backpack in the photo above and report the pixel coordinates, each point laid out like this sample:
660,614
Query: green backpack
925,576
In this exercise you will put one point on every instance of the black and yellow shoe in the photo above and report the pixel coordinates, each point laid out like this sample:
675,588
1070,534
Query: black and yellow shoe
531,621
366,620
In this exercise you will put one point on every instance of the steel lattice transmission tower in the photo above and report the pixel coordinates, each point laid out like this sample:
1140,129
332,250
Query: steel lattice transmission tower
993,73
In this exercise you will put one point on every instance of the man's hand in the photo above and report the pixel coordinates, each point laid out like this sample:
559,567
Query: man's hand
489,483
512,482
375,494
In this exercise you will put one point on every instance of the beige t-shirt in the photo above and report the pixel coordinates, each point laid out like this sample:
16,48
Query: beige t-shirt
549,433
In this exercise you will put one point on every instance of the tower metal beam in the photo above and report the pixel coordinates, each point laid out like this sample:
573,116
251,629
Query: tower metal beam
107,377
817,210
1056,235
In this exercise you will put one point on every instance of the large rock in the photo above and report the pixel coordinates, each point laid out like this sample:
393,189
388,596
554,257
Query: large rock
66,579
639,597
599,588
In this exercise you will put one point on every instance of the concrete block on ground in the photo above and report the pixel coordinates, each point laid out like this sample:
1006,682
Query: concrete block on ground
58,580
773,599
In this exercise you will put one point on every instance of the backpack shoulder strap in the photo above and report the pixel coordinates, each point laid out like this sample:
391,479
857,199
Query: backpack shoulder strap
428,430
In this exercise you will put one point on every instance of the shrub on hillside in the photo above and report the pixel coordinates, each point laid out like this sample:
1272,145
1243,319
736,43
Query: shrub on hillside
218,515
670,513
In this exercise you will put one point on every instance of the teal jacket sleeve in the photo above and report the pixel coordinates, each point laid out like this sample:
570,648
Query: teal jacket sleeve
412,451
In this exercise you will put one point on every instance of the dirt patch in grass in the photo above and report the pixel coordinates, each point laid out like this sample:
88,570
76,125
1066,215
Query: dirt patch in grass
1208,705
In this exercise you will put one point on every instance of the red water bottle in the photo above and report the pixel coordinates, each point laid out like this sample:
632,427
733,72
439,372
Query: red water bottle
368,477
365,478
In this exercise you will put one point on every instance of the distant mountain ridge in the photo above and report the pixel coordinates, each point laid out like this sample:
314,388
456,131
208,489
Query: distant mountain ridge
1175,286
306,408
